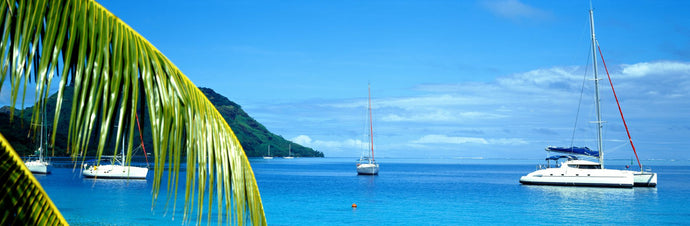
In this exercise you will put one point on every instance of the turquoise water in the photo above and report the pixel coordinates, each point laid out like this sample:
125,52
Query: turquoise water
321,191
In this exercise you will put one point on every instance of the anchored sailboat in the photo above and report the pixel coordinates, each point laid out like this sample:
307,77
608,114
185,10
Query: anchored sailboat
366,165
576,172
289,152
39,164
269,156
117,168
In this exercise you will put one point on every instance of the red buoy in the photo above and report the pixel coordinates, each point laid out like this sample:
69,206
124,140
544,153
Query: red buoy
354,205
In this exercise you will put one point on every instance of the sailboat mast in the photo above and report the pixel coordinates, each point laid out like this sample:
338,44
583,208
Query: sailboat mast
43,119
123,152
596,89
371,125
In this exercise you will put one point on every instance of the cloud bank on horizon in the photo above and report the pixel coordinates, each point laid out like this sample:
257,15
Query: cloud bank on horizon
514,116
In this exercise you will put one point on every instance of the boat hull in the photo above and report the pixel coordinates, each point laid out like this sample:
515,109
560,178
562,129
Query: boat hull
368,169
645,179
115,172
38,167
580,177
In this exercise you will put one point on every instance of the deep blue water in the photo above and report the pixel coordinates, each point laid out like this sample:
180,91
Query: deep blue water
321,191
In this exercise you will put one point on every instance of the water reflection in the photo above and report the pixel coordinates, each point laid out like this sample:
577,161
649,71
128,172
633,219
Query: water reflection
116,183
367,181
568,195
592,203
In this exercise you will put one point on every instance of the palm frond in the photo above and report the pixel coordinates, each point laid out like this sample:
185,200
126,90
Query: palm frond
111,67
23,200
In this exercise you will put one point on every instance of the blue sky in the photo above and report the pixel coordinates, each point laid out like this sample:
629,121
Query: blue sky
492,79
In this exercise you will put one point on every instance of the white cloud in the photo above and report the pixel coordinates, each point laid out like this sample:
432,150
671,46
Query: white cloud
440,116
409,103
513,9
443,139
306,141
550,79
508,141
655,68
303,140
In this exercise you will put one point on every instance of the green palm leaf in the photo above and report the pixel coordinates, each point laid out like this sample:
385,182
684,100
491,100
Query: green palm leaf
111,68
22,198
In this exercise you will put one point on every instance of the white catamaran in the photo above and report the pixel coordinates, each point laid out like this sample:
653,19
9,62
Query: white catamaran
576,172
366,165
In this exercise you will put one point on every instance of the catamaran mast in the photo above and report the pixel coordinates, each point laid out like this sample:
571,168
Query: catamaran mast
371,126
596,89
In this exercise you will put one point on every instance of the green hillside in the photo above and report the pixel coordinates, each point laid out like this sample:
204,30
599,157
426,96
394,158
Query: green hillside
253,136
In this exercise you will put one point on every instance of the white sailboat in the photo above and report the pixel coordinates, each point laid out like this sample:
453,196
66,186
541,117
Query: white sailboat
116,169
39,165
269,156
576,172
366,165
289,152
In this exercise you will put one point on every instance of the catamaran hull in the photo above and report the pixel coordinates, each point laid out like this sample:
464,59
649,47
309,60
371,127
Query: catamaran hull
580,177
38,167
115,172
368,169
645,179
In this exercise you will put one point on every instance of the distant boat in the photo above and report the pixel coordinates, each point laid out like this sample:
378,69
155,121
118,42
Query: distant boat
576,172
289,152
38,164
366,165
269,156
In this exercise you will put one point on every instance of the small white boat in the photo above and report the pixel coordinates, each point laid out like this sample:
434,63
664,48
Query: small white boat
289,152
368,165
37,163
269,153
115,170
365,166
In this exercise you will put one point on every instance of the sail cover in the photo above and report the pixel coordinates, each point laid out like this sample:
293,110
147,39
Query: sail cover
574,150
557,157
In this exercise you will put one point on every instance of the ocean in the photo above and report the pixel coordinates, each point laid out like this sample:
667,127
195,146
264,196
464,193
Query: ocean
321,191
